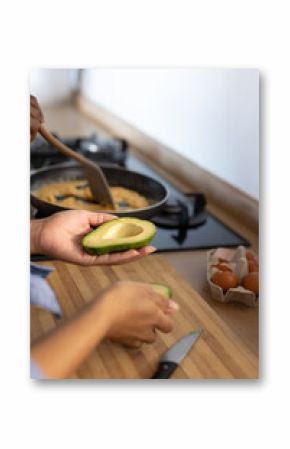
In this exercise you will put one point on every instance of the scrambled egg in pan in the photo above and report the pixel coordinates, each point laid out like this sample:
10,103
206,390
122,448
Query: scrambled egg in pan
77,195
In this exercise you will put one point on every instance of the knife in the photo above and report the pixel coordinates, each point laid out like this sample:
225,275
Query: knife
173,357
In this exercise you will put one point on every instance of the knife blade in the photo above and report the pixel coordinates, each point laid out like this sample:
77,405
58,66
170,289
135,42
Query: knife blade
174,356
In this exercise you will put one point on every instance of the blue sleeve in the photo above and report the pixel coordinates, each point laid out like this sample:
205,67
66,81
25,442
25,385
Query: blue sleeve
41,294
35,372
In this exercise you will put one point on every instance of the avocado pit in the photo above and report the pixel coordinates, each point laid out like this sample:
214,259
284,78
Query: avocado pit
123,230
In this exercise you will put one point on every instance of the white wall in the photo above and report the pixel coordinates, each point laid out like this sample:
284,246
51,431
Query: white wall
211,116
52,86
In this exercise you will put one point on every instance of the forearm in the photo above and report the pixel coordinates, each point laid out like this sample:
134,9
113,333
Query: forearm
61,352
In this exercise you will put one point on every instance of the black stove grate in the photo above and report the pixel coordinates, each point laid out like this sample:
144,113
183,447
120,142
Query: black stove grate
94,147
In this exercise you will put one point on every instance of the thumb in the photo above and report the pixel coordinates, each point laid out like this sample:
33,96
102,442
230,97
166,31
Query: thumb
166,305
96,219
172,306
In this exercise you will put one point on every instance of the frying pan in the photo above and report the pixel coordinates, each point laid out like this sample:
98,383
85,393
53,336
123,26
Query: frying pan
155,192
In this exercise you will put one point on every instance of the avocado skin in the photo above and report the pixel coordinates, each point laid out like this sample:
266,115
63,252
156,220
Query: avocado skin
116,247
162,289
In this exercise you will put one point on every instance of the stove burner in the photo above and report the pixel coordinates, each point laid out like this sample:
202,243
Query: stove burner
104,150
176,214
94,147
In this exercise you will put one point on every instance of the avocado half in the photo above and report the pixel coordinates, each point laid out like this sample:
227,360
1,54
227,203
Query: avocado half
119,234
162,289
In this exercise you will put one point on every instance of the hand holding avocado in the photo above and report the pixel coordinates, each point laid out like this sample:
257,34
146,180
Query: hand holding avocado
61,234
162,289
168,307
136,311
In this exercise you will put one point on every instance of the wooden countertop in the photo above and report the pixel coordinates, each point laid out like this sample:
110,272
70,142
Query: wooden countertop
218,354
191,265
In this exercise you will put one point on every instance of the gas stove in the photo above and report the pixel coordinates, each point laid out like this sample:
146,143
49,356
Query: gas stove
184,222
94,147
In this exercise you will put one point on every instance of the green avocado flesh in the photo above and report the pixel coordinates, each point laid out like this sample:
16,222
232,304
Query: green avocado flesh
162,289
119,234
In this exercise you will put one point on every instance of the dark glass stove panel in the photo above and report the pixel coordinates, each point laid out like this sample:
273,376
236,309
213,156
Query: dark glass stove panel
211,233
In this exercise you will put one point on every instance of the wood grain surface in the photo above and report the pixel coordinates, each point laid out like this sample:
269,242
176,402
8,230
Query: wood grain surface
68,121
218,354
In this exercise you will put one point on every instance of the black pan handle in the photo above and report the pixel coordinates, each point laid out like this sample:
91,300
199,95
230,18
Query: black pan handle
164,370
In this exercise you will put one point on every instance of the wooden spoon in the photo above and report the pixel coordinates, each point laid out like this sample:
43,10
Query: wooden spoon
96,178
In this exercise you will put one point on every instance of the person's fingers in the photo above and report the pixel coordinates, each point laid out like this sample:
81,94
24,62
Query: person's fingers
131,343
172,306
117,258
106,259
129,256
136,254
159,299
33,102
166,305
34,125
146,250
35,109
163,323
35,113
95,219
32,135
148,337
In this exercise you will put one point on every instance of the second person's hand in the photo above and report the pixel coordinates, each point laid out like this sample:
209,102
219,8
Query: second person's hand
135,312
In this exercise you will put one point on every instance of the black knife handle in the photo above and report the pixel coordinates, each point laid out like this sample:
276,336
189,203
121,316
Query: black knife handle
164,370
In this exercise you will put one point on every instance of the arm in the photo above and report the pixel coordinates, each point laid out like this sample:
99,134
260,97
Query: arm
61,352
125,312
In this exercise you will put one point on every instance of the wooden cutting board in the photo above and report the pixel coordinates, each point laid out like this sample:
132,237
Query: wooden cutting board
217,354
